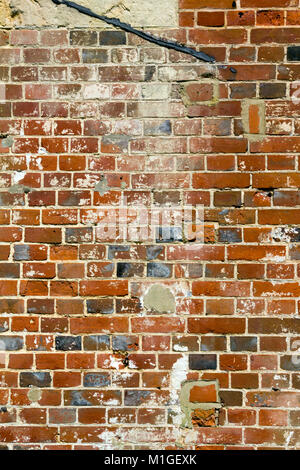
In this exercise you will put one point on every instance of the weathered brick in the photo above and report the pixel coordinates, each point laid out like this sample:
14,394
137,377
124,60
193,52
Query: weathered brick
223,139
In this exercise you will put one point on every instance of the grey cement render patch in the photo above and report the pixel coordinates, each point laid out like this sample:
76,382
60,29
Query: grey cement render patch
187,407
43,13
160,299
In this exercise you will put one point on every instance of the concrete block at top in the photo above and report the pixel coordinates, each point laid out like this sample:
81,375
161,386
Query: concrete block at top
43,13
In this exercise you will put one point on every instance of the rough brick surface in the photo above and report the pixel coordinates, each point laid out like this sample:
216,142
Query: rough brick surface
185,329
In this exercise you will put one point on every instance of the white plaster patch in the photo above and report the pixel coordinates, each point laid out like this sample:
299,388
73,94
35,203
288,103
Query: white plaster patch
18,176
178,375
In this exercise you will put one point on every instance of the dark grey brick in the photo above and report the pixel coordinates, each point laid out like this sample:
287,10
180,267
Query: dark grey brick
290,362
130,270
77,398
153,252
94,56
135,397
11,343
227,235
243,343
149,72
21,252
35,379
113,249
202,361
124,343
243,90
159,270
79,235
272,90
104,306
68,343
4,327
293,53
195,270
96,380
112,38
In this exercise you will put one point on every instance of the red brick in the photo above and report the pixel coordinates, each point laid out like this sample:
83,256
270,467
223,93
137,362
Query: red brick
28,434
215,19
203,394
273,418
216,325
241,18
38,92
221,36
190,4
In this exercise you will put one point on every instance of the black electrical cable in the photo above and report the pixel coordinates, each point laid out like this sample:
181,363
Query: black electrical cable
148,37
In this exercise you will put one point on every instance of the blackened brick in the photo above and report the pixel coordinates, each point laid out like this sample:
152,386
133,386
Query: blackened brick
243,343
35,379
293,53
94,56
272,90
153,252
159,270
290,362
11,343
130,270
202,361
112,38
68,343
96,380
104,306
228,235
79,235
124,343
135,397
113,249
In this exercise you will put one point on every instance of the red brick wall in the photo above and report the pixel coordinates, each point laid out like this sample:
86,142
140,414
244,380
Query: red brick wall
90,119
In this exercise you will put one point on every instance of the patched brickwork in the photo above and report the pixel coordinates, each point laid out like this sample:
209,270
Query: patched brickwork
150,229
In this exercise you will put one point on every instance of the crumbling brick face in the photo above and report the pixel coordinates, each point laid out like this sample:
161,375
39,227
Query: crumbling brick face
183,331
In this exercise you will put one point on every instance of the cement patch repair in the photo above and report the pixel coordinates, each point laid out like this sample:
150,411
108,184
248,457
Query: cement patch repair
159,299
190,402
